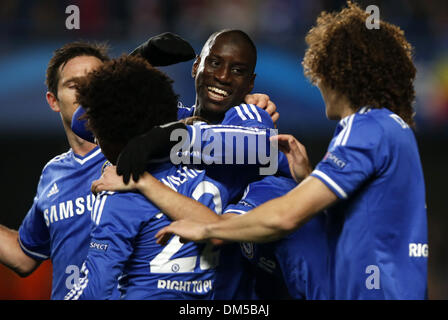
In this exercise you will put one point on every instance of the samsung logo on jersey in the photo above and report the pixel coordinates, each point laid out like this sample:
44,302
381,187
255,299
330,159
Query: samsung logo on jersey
68,209
332,158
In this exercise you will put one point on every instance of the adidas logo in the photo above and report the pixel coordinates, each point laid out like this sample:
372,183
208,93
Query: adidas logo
54,189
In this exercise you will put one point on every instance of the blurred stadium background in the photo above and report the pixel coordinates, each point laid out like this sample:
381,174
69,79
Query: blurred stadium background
31,133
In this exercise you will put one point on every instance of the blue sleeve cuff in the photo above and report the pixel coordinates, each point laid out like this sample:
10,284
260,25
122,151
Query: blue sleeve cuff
330,183
31,253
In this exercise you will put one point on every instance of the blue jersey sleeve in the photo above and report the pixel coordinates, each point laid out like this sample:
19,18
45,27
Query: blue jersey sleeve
239,208
241,139
112,235
261,191
268,274
354,155
248,115
34,236
184,111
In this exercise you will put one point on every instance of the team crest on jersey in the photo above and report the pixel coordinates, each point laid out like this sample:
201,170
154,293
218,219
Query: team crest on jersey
105,165
247,248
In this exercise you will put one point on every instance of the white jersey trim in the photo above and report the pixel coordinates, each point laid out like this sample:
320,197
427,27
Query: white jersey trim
254,110
331,182
78,288
42,256
342,137
242,116
82,161
235,211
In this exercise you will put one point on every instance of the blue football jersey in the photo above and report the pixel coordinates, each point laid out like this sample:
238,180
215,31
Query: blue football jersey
242,138
299,259
184,111
57,226
378,231
123,245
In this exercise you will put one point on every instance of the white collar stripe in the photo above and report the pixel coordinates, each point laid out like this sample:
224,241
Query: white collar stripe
349,128
82,161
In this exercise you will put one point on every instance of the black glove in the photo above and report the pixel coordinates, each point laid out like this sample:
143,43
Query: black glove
165,49
155,144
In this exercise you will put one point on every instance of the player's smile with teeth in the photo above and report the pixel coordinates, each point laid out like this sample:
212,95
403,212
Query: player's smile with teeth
216,93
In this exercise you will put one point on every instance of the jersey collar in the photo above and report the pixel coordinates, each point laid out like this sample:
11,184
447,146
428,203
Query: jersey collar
90,155
344,121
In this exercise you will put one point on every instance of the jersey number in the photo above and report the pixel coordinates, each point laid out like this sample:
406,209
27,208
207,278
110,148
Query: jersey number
209,257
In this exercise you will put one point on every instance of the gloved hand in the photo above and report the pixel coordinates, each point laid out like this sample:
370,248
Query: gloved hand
165,49
79,126
161,50
134,158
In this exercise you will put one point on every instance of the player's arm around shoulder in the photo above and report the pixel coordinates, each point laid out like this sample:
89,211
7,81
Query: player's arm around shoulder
278,217
12,255
269,221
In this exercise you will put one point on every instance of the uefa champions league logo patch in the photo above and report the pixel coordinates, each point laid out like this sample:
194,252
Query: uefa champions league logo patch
247,248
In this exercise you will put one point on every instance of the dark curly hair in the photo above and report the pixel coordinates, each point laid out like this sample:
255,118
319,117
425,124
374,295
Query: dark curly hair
124,98
371,67
67,52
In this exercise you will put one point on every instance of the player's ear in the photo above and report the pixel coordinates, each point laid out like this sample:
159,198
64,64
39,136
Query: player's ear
194,69
53,101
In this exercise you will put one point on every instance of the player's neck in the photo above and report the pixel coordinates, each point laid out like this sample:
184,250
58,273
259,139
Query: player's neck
209,116
79,146
347,111
341,107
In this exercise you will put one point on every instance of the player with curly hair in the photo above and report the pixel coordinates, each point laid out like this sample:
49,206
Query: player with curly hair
370,67
370,181
57,226
124,98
